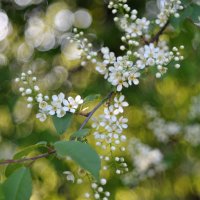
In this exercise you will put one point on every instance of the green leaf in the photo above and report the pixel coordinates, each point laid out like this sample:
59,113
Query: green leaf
81,153
191,12
61,124
195,16
81,133
177,22
12,167
91,97
2,196
19,185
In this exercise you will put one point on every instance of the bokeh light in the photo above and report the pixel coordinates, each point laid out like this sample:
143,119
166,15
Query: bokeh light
82,18
64,20
4,25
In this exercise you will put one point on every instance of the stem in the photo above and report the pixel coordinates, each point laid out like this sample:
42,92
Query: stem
28,159
159,33
76,69
95,109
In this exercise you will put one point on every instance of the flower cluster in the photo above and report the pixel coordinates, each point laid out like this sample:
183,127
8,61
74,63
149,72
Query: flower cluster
159,56
194,111
97,189
142,50
59,106
122,71
28,87
108,132
168,8
109,126
56,105
86,52
162,129
146,161
192,134
133,27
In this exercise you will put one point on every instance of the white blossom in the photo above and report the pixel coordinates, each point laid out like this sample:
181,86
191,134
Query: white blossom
69,176
41,116
119,104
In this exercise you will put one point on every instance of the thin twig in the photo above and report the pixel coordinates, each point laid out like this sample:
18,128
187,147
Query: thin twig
12,161
83,114
76,69
159,33
95,109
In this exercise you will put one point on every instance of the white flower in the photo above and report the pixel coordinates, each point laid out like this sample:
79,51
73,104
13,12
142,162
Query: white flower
39,98
119,104
69,176
95,123
109,58
109,113
78,99
150,51
134,30
106,122
43,105
133,78
122,123
141,64
52,109
143,23
41,116
70,105
60,112
145,158
101,68
192,134
167,8
57,100
104,50
36,88
21,89
150,61
103,181
30,99
28,91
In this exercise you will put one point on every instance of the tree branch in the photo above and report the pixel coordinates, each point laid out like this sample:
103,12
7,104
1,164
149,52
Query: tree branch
76,69
159,33
52,151
12,161
95,109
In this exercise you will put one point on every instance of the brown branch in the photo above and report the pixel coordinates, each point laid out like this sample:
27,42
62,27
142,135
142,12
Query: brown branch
95,109
83,114
159,33
76,69
13,161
